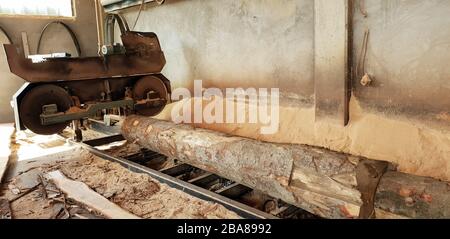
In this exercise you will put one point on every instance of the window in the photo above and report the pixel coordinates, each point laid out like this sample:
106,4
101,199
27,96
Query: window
56,8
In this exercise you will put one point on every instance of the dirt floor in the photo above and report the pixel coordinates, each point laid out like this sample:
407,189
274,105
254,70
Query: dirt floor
138,193
29,195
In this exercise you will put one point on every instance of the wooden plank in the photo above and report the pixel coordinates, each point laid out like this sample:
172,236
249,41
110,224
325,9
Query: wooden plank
26,46
5,141
331,60
80,192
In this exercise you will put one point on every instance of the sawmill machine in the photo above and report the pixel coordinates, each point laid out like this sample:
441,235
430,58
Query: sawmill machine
61,90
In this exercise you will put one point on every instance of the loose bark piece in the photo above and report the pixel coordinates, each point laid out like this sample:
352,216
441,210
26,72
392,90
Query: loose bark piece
5,209
415,196
320,181
368,176
80,192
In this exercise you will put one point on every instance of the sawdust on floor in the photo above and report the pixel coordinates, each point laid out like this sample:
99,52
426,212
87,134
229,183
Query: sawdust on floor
136,193
139,193
31,196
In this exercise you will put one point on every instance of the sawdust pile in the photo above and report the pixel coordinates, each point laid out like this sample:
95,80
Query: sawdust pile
139,193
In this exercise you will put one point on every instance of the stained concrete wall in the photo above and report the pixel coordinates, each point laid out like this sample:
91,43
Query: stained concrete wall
402,117
408,57
56,39
270,43
239,43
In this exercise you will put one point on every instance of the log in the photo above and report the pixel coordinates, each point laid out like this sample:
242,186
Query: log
80,192
318,180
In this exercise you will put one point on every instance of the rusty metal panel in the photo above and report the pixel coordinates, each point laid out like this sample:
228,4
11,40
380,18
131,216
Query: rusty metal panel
142,56
83,68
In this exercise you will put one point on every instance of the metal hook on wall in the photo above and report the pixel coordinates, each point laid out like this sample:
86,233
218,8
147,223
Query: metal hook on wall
361,67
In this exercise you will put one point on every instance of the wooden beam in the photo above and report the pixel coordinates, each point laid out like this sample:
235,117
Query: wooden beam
100,19
331,67
25,45
80,192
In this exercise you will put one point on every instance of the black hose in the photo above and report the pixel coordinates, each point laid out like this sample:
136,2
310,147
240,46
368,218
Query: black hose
72,35
110,22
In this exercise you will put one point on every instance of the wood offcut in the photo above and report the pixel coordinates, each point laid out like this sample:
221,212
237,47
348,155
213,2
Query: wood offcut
80,192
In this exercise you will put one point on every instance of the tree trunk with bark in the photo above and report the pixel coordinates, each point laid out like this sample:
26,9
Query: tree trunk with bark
318,180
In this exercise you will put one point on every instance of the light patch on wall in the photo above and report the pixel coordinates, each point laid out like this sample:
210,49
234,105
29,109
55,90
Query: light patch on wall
55,8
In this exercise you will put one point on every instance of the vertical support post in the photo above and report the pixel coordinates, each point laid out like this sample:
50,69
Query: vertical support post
99,13
331,67
26,46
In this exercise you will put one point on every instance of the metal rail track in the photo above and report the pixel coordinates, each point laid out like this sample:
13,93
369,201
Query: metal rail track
189,179
169,177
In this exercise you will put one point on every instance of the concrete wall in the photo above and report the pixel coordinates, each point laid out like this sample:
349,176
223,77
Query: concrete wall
56,39
402,117
239,43
270,43
408,58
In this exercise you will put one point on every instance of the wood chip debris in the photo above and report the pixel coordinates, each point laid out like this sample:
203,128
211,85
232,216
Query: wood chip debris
32,196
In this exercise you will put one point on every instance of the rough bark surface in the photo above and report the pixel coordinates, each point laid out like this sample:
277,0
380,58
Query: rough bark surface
320,181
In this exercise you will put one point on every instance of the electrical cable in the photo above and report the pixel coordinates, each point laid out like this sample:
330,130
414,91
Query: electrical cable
72,35
159,2
139,14
109,26
6,34
360,68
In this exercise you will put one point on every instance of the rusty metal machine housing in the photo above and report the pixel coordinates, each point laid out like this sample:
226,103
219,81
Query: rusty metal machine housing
63,90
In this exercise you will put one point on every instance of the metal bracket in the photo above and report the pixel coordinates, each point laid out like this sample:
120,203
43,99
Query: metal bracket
111,120
49,109
116,5
368,176
49,116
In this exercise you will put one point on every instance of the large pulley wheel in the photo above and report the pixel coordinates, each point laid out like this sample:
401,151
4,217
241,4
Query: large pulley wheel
30,109
150,88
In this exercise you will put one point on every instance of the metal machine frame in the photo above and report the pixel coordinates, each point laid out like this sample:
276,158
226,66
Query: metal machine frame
126,77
